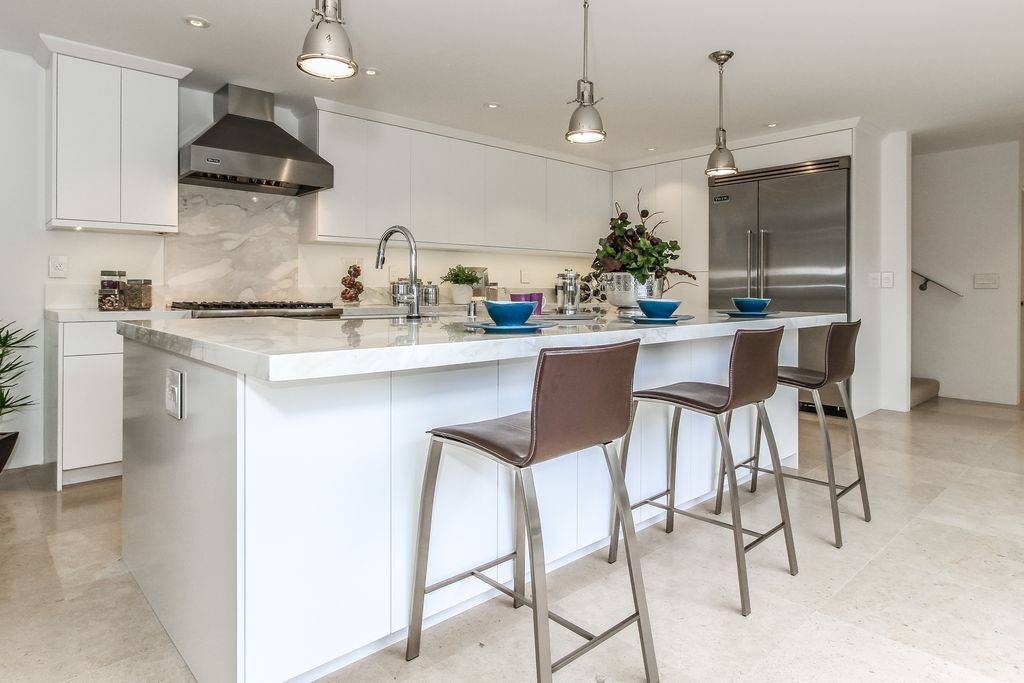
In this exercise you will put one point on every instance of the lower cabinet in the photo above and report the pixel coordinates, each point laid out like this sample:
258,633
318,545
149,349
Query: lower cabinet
91,415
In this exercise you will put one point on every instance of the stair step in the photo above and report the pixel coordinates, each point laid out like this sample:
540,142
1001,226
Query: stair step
922,389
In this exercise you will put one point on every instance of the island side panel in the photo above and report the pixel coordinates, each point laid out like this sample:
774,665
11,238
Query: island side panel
317,528
179,497
465,520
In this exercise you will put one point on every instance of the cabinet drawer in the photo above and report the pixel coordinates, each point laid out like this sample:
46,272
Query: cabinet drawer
83,339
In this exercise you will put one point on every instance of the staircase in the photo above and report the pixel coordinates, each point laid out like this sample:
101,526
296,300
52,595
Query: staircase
922,389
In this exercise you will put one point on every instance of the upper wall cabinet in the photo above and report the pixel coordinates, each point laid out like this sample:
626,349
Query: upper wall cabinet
113,148
452,194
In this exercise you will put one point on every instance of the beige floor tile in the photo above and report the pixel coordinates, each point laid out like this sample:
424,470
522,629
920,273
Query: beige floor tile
88,554
969,626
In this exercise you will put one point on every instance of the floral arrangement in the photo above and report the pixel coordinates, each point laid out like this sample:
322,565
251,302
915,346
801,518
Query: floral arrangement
635,248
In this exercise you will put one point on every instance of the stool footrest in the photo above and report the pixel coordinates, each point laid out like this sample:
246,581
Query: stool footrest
468,573
718,522
578,630
649,500
821,482
761,537
594,641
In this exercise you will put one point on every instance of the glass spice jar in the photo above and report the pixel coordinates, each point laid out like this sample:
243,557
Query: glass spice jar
139,295
109,279
109,299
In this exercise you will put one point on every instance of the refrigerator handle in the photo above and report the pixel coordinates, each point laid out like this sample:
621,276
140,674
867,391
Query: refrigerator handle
760,262
750,261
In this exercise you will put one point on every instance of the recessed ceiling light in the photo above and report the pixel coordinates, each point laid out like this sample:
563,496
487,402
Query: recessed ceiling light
651,149
371,72
196,22
493,105
770,125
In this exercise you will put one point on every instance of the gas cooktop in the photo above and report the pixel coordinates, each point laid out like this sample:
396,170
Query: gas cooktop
241,309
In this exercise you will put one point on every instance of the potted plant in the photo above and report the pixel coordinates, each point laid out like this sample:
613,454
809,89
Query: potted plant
462,280
633,260
12,367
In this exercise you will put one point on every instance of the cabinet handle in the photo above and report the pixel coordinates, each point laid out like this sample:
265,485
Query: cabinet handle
760,262
750,260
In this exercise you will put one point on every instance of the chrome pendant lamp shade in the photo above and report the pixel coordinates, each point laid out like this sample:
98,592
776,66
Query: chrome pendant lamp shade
327,50
585,125
721,162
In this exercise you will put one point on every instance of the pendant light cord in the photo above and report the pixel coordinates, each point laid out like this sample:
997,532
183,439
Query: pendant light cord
586,35
721,98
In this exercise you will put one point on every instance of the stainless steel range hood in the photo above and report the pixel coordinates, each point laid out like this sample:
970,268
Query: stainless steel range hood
245,150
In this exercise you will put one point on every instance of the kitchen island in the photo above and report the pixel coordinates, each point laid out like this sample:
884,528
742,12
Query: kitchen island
272,527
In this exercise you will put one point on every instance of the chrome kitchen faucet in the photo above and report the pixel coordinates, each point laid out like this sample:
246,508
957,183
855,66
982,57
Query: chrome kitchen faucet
414,287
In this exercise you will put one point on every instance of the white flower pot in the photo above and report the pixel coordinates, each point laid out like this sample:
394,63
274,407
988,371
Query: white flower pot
462,294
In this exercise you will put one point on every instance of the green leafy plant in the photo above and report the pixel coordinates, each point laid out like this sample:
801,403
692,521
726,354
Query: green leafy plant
12,367
460,275
635,248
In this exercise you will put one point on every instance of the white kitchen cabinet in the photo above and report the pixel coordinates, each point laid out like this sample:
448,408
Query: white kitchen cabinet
113,148
149,140
387,177
693,223
452,193
92,410
448,189
515,214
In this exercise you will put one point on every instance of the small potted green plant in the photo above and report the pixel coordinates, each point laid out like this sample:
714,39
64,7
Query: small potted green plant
462,280
12,367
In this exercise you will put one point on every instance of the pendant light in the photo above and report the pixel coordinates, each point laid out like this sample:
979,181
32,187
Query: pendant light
721,162
585,125
327,50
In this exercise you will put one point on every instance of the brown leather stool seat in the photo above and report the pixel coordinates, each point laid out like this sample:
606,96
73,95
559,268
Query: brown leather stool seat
839,361
556,425
753,378
707,398
801,378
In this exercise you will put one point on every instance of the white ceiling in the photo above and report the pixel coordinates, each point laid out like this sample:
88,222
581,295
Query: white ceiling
943,69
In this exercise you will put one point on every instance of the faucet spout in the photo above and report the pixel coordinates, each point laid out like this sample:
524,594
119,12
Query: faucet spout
414,298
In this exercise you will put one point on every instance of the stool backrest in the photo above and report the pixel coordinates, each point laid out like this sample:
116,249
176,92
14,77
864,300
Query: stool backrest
840,351
754,366
581,398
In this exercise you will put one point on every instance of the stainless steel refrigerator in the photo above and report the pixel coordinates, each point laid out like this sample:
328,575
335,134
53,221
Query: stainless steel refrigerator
784,233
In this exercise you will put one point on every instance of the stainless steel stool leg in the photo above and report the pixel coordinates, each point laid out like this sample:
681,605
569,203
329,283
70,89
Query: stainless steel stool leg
780,485
519,564
737,524
721,469
757,454
412,644
830,469
636,579
613,547
856,450
538,573
673,458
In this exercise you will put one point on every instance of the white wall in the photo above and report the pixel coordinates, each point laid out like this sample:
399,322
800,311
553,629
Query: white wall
25,245
966,221
895,257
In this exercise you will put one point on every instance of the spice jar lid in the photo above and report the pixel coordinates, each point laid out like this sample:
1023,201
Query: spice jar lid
122,273
108,291
140,282
108,273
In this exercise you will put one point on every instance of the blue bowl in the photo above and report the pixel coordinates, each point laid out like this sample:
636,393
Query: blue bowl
750,304
658,308
506,313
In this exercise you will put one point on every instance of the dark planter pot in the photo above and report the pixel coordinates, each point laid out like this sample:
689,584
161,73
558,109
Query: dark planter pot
7,442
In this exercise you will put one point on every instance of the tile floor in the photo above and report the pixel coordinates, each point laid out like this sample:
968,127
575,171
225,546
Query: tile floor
931,589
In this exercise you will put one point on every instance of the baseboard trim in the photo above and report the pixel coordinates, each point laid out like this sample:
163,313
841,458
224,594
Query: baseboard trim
84,474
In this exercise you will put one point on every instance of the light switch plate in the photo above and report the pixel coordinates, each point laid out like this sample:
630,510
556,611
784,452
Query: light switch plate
58,266
524,277
174,394
986,280
888,279
874,280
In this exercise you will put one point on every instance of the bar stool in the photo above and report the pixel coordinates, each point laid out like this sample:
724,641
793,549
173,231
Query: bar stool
554,426
753,367
840,345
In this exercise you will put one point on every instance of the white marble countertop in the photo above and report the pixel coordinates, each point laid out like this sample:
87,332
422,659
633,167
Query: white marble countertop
88,315
292,349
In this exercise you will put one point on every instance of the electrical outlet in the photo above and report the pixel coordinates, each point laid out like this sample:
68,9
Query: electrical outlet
888,279
58,266
524,277
874,280
986,280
